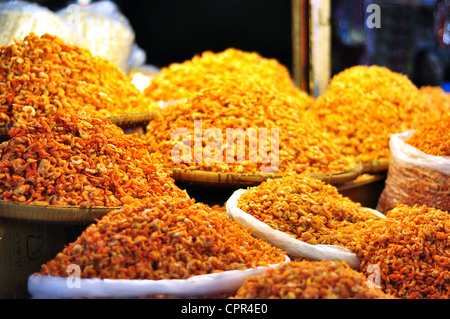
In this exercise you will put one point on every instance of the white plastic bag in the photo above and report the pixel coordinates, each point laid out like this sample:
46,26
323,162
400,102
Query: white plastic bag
291,245
415,178
142,76
104,30
50,287
19,18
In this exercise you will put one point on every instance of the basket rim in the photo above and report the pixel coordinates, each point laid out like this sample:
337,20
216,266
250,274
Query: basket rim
128,119
236,179
376,166
52,213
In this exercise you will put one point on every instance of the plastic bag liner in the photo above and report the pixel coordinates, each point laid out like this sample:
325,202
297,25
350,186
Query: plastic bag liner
414,177
50,287
104,30
19,18
143,75
291,245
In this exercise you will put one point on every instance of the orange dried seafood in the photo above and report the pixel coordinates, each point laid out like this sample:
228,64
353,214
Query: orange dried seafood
80,160
162,238
180,80
437,97
41,75
433,138
364,105
410,249
303,207
309,280
247,104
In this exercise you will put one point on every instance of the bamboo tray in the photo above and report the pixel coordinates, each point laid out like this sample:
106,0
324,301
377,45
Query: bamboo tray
132,119
123,120
205,178
52,213
359,183
376,166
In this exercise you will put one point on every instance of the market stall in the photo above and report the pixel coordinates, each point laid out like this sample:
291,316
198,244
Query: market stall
220,176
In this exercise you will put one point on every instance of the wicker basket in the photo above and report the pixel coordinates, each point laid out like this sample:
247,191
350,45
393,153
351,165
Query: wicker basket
52,214
376,166
124,121
133,119
204,178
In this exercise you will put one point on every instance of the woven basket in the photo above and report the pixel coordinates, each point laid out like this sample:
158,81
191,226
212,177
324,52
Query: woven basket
204,178
124,121
52,214
133,119
376,166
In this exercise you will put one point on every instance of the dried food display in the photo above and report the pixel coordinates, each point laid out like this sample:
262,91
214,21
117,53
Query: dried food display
309,280
163,238
303,207
179,80
295,143
42,74
433,138
410,250
364,105
435,95
95,138
78,159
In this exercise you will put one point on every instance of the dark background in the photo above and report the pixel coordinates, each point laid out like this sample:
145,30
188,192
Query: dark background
175,30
